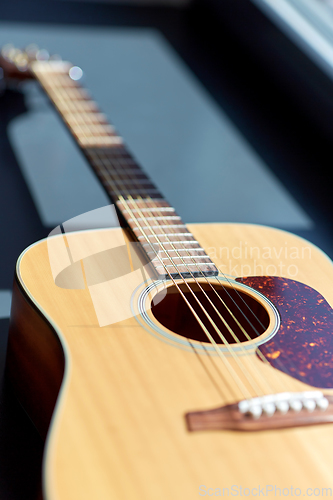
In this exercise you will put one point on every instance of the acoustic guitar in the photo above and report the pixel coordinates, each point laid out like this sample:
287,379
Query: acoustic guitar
161,360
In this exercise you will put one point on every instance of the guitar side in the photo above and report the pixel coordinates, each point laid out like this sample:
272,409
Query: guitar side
119,430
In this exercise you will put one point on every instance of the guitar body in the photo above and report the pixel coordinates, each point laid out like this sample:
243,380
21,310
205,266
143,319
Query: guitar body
118,430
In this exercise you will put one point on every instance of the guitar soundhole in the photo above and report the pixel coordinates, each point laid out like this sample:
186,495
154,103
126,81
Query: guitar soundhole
244,315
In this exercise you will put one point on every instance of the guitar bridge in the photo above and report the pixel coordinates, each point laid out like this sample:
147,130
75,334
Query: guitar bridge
273,411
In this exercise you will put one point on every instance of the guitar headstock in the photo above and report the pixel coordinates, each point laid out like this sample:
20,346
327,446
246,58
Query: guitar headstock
15,63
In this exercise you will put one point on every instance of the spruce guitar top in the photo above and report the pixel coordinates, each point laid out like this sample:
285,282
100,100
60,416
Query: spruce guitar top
165,361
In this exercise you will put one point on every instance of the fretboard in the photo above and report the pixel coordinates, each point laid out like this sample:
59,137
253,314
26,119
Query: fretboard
164,237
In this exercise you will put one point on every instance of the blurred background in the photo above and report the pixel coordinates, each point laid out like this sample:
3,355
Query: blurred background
227,104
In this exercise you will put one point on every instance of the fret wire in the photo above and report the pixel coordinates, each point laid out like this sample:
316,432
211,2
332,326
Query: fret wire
164,209
162,226
183,242
142,191
78,107
95,128
186,250
186,265
188,257
175,234
130,181
170,217
142,178
73,93
129,171
155,227
98,118
154,200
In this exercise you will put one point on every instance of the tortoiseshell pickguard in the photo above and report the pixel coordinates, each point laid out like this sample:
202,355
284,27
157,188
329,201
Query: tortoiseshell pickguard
303,345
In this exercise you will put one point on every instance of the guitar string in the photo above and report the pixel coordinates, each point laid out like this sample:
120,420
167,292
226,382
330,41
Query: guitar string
276,374
254,366
249,358
137,209
82,130
122,199
196,264
259,353
232,371
230,349
280,382
194,350
108,177
245,333
288,382
220,375
212,287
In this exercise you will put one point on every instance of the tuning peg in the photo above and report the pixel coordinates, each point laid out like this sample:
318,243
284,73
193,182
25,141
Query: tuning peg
15,56
8,51
21,60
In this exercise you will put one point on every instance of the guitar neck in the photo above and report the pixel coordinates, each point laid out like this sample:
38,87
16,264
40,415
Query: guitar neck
153,221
